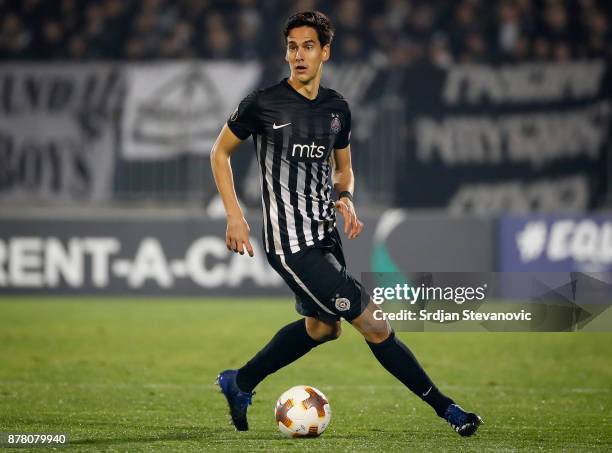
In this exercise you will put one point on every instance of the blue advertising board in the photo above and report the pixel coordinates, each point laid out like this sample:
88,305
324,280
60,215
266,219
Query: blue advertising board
555,243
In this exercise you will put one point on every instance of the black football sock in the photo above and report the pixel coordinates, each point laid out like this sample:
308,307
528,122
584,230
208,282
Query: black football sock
401,363
289,344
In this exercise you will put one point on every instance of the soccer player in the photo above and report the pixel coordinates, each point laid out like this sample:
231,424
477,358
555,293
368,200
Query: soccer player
301,132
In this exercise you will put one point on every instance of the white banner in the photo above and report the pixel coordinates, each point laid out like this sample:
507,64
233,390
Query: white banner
57,131
175,108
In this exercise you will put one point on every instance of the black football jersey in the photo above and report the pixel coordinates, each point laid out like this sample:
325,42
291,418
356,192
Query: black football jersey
294,141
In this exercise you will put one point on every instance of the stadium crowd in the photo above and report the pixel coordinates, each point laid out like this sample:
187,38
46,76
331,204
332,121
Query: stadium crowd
445,31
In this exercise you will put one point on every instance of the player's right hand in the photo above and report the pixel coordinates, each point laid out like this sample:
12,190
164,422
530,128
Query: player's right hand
237,235
352,225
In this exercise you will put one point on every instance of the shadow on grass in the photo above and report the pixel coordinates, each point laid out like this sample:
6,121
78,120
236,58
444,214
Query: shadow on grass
192,434
211,435
151,433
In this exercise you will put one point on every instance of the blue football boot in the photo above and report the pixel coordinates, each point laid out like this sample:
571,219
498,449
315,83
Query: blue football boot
465,423
237,400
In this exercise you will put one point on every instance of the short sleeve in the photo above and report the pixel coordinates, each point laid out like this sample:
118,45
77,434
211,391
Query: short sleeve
344,137
243,121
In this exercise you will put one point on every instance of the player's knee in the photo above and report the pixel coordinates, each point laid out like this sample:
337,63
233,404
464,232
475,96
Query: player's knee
373,330
335,331
322,331
330,332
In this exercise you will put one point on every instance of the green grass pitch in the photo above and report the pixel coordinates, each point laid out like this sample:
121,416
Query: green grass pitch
135,375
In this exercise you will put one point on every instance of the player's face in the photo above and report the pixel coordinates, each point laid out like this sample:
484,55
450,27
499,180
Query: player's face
305,54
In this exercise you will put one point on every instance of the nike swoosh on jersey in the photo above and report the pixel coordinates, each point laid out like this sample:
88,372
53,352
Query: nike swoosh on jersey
274,126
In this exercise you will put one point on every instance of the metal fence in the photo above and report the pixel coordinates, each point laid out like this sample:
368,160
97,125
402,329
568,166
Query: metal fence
188,178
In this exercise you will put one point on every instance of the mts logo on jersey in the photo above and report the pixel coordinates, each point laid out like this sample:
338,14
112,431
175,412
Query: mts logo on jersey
305,152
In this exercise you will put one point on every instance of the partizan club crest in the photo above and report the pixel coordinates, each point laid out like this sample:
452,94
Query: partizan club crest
336,125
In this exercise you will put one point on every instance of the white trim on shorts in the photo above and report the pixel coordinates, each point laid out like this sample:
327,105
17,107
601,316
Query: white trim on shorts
303,286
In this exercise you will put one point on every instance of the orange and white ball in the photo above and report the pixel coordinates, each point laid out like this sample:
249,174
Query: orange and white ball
302,411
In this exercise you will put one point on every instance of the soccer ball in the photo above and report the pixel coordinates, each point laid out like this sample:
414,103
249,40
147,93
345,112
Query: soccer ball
302,411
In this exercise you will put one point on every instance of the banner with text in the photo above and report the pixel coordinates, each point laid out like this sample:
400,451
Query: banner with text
154,257
122,254
513,138
57,131
560,243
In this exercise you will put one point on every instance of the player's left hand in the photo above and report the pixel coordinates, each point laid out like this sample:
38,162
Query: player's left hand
352,225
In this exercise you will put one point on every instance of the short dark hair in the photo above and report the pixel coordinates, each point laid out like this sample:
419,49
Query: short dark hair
315,19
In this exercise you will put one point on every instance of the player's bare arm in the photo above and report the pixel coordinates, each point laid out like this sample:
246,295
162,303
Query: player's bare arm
344,181
237,233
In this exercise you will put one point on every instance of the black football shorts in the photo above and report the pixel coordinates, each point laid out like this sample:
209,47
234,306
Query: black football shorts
322,286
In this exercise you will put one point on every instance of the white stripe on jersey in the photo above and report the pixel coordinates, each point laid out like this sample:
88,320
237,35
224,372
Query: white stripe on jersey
278,248
258,140
315,204
286,195
301,189
328,207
